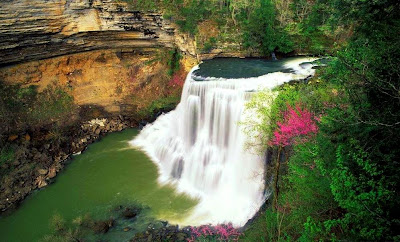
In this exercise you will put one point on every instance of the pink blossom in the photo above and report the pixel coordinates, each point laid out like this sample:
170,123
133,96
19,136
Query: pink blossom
298,126
178,79
222,232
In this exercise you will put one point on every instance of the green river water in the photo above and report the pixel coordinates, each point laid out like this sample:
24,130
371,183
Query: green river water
109,173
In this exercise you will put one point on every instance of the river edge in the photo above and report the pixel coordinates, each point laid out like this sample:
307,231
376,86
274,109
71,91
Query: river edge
38,159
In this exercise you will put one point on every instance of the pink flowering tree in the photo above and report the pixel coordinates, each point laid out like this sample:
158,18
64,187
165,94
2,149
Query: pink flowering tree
223,232
178,79
298,126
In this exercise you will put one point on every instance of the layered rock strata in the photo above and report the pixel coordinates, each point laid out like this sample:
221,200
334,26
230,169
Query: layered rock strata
39,29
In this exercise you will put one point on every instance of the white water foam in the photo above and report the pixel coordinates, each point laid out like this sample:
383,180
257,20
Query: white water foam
200,146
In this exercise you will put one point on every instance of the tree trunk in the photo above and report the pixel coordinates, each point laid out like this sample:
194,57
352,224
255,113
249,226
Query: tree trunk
276,178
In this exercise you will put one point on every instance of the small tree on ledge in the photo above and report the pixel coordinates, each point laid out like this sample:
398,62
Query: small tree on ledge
298,126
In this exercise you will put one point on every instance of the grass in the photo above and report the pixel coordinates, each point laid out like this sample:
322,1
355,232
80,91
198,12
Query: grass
21,106
257,230
6,154
159,105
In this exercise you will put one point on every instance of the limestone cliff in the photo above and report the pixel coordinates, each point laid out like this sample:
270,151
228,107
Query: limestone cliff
96,48
39,29
119,82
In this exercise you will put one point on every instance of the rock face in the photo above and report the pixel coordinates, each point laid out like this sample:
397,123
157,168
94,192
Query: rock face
39,29
114,80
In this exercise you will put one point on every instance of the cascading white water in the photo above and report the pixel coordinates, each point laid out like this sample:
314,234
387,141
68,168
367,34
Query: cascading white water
200,146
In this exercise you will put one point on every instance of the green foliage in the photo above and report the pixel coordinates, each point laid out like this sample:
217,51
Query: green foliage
344,184
312,32
257,230
53,103
25,105
264,25
308,195
260,127
364,135
57,223
209,45
360,187
7,154
368,15
159,105
167,103
270,106
174,61
62,231
168,57
306,201
261,30
187,14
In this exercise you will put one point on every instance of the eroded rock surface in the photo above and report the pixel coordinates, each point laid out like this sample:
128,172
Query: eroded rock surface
115,80
38,29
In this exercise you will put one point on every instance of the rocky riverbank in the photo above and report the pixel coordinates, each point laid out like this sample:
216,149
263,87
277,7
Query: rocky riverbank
41,154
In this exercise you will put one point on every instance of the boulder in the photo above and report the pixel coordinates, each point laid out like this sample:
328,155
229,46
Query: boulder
42,171
52,173
27,137
40,182
12,137
129,213
102,227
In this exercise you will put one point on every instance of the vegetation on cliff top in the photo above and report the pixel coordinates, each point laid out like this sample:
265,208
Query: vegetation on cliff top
260,26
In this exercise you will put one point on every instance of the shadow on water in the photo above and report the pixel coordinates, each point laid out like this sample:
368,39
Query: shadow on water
244,68
240,68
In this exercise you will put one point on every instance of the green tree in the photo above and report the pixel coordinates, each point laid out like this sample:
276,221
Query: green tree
261,30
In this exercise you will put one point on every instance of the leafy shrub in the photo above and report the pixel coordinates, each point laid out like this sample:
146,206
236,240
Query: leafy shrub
164,104
21,107
53,104
168,57
209,45
7,154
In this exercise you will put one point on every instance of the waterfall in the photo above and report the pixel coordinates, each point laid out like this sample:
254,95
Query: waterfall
200,147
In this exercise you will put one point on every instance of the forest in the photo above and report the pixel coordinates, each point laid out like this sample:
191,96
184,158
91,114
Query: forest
313,27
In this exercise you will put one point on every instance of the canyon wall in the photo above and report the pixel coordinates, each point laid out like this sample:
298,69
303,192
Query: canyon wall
104,52
114,61
106,78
